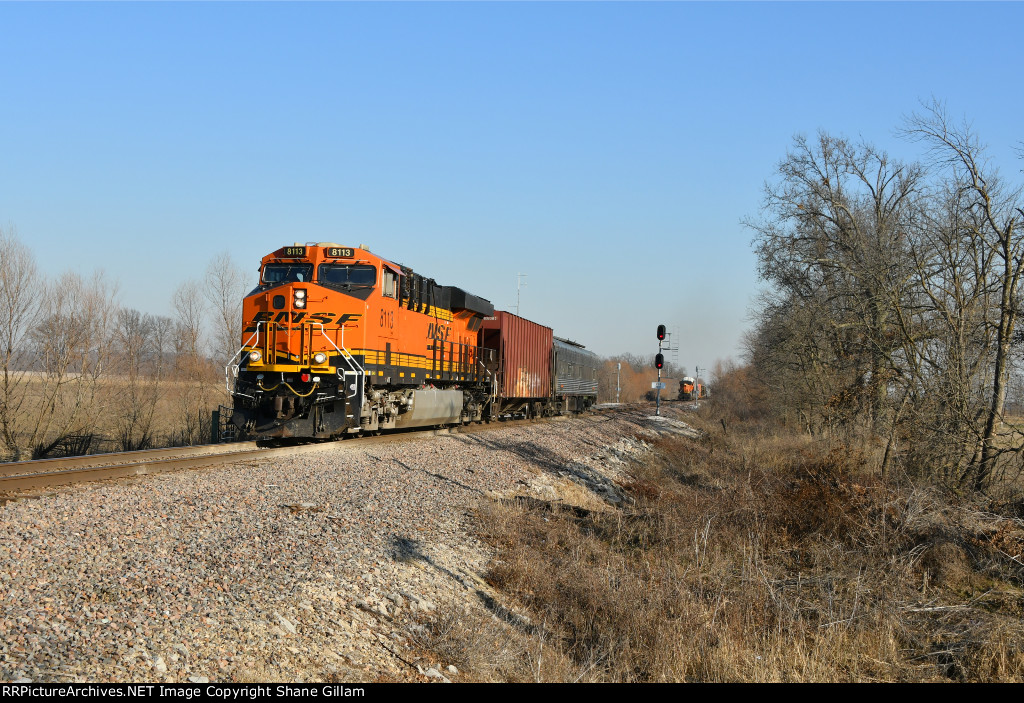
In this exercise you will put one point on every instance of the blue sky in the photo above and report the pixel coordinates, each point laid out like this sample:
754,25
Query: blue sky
607,150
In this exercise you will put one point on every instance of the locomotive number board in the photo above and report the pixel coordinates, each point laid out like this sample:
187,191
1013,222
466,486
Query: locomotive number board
339,252
295,251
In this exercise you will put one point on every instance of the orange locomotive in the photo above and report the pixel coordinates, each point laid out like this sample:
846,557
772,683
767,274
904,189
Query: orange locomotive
691,389
338,340
686,388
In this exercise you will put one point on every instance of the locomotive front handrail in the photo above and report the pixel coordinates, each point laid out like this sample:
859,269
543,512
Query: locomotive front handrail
233,368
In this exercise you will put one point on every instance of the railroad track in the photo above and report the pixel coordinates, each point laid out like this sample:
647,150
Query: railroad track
26,478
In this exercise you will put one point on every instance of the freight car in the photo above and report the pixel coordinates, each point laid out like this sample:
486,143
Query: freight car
538,374
339,341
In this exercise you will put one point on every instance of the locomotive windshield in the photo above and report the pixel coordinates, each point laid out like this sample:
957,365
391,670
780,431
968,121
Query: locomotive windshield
285,273
347,275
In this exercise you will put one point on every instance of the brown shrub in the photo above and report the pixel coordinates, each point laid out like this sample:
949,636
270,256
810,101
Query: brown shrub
738,559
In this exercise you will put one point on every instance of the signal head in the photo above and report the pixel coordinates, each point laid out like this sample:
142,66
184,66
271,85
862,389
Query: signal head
661,332
659,360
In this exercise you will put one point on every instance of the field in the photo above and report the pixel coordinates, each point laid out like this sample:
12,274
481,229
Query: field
112,413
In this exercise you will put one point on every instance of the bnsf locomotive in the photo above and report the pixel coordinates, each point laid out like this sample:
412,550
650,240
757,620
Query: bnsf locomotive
692,389
338,341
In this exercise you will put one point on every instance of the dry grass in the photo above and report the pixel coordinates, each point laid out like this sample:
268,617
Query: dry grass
97,428
748,559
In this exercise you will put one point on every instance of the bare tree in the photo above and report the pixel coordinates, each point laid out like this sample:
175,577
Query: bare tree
140,342
191,367
834,245
989,217
71,347
895,292
953,360
634,377
20,291
224,287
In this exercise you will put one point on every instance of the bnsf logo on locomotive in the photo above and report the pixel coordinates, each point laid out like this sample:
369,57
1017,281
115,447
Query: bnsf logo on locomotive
438,332
296,317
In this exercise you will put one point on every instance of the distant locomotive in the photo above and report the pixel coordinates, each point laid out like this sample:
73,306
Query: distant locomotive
692,389
338,341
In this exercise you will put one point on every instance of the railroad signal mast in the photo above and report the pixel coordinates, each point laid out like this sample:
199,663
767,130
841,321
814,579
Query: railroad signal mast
674,348
659,362
668,347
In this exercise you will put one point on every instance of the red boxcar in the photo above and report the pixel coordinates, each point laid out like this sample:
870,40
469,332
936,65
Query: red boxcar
524,360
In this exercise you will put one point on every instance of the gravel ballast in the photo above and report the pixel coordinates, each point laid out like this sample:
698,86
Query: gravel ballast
301,569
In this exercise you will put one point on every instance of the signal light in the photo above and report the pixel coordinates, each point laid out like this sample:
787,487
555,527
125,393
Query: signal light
661,334
659,360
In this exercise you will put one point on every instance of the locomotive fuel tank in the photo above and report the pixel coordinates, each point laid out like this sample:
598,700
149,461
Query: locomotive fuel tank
432,407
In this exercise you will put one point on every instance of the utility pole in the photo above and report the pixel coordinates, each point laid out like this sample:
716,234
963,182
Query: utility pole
519,284
618,386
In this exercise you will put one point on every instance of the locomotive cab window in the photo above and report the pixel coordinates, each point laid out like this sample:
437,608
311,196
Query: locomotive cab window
349,276
390,286
287,273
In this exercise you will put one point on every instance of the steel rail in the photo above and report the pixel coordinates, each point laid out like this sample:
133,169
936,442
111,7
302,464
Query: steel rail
17,477
15,468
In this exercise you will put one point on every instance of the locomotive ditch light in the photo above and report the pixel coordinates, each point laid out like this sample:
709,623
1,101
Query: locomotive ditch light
319,358
254,357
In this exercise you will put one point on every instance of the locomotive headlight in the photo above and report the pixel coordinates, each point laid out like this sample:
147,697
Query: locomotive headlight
300,303
255,356
300,298
319,358
300,294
